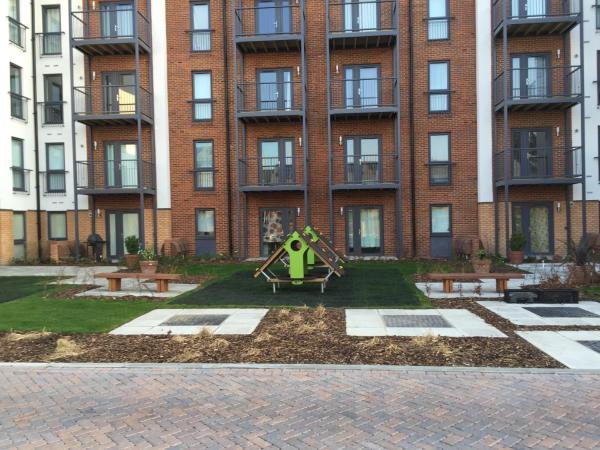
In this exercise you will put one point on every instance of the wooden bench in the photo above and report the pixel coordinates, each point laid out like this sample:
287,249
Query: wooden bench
448,279
162,279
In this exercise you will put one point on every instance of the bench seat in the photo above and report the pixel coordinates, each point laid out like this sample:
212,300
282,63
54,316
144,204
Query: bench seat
448,279
162,279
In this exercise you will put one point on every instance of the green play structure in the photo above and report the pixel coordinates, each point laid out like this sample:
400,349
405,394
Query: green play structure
308,256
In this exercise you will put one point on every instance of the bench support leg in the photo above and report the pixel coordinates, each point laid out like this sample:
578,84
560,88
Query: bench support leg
114,284
162,285
448,286
501,285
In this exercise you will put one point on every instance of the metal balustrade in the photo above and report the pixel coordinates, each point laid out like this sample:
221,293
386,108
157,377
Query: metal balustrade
50,44
52,113
111,101
16,33
535,17
366,171
272,172
119,176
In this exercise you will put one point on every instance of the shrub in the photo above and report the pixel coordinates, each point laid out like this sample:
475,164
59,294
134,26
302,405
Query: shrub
132,245
517,242
147,254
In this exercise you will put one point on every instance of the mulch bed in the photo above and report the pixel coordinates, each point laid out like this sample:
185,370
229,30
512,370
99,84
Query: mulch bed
305,335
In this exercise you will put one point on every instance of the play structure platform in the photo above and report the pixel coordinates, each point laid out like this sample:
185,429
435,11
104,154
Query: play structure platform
308,256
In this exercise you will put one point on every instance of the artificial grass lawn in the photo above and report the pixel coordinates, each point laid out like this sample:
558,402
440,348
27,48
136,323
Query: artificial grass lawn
12,288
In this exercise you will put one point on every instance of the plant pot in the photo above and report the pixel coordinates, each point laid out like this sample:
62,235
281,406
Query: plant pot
131,261
149,267
516,256
482,265
580,275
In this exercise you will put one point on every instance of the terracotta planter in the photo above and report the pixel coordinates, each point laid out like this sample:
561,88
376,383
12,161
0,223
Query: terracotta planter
149,267
131,261
516,257
482,265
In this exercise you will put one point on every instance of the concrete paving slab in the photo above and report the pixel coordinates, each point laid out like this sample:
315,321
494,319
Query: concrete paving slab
521,314
566,346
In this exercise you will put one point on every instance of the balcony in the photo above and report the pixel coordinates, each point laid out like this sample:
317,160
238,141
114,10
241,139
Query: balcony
110,32
270,102
354,172
54,183
364,24
365,98
539,88
50,44
52,113
272,174
18,106
112,105
535,17
16,32
20,179
539,166
262,29
115,177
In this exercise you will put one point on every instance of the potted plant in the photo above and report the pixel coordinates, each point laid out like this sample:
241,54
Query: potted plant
132,245
482,263
517,244
148,262
583,257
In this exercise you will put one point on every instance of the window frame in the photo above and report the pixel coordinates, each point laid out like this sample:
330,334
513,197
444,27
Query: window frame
21,168
281,157
196,101
17,96
358,208
47,102
438,234
56,213
206,30
446,18
447,163
23,241
45,32
196,231
49,171
447,91
198,170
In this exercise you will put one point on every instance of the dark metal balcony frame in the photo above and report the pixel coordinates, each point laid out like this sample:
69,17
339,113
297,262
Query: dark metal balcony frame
381,110
25,174
45,182
45,107
254,113
380,182
87,170
21,30
42,43
22,101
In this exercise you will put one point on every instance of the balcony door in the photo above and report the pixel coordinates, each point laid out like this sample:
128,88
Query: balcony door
535,221
276,162
121,165
120,225
531,153
117,19
276,224
361,15
119,92
364,230
275,90
530,76
529,8
363,160
53,99
273,17
362,86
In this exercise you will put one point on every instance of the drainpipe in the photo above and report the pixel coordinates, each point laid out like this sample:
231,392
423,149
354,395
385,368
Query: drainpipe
38,212
227,126
411,115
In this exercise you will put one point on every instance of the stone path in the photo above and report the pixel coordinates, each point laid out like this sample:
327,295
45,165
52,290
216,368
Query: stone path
300,407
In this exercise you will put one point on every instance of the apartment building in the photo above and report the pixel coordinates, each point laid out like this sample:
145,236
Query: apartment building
394,126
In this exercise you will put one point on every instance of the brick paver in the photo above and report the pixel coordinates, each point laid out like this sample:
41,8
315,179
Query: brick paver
170,407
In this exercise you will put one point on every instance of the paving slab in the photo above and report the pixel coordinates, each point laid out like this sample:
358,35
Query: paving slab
135,288
525,314
575,349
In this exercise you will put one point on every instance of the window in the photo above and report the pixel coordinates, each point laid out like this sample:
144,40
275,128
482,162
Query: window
53,100
204,165
439,87
440,220
18,169
363,160
200,26
273,17
51,37
117,19
364,230
121,165
439,158
362,86
17,101
57,226
361,15
202,96
530,76
205,232
55,165
438,20
19,236
440,231
277,162
16,30
275,90
531,153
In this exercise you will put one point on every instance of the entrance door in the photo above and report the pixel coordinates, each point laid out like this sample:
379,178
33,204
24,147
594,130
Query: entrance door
364,230
117,19
362,86
530,76
276,224
121,165
534,220
531,153
362,160
276,162
529,8
274,17
119,92
361,15
120,225
275,90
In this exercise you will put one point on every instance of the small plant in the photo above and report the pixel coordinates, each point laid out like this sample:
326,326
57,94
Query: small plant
147,254
132,245
482,254
517,242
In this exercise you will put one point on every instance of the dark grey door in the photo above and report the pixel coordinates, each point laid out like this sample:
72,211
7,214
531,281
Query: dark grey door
530,76
120,225
361,15
53,99
535,221
119,92
440,231
364,230
117,19
531,153
273,17
276,162
361,86
206,244
275,90
363,163
275,225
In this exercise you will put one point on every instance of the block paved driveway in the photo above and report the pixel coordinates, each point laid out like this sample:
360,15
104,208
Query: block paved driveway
173,407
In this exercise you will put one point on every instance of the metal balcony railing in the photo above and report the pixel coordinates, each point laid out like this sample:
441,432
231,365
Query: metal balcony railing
50,44
54,182
438,28
541,164
121,175
539,83
267,21
533,9
362,17
271,172
18,106
52,113
364,93
110,25
20,177
16,32
265,97
365,170
111,100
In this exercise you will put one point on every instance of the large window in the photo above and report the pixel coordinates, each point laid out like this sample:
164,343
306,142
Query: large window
18,169
438,20
275,89
19,236
277,162
363,163
52,35
530,76
439,158
364,230
204,165
362,89
439,87
53,100
361,15
202,91
55,173
273,16
122,165
17,101
57,226
117,19
200,26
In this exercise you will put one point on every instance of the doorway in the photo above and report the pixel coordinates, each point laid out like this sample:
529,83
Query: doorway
531,153
535,221
117,19
361,15
275,225
364,230
119,92
274,17
120,225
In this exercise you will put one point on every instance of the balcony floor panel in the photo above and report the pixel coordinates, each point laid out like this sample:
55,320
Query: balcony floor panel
273,188
270,116
115,191
539,181
547,104
546,26
270,44
110,120
105,47
376,39
365,186
363,113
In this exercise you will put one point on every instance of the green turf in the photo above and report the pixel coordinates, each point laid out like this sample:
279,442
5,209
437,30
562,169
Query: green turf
12,288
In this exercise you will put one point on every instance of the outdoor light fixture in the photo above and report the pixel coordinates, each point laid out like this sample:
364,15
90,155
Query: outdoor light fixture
300,141
95,145
94,75
557,131
98,212
341,210
337,68
94,5
558,205
298,211
558,53
298,70
341,141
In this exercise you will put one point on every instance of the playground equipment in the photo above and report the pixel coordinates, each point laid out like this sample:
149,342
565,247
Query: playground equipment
301,254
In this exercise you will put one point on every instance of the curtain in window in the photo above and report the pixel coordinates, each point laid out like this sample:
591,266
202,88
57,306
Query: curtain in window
129,165
516,77
438,81
201,27
52,20
58,225
13,9
202,93
124,20
56,167
535,7
369,87
206,222
15,80
539,229
370,228
439,147
367,15
266,17
272,225
438,29
440,220
204,164
537,74
17,153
